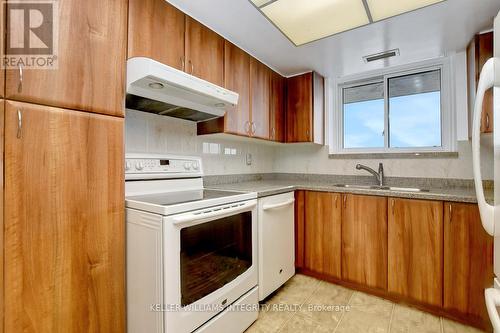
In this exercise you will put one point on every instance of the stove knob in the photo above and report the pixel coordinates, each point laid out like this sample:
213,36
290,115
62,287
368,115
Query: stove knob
139,166
127,165
195,166
187,165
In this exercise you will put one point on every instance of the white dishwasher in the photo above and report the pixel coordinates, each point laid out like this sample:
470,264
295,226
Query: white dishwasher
276,242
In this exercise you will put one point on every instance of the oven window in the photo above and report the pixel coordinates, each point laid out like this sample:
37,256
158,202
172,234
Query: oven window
214,254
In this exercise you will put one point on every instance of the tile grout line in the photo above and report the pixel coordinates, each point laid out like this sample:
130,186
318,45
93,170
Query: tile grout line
343,313
392,316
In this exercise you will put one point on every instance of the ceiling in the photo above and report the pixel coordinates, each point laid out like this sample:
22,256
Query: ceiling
427,33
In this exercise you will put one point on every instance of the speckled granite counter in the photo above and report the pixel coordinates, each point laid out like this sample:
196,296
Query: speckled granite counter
274,186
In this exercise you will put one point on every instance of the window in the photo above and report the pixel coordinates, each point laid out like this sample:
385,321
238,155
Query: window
394,112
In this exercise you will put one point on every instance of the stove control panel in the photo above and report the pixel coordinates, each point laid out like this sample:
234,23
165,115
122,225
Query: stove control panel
140,166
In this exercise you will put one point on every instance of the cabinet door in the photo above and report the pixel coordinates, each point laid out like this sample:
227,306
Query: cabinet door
64,221
484,51
260,80
277,108
364,240
322,223
156,30
299,108
468,261
204,52
299,228
91,60
415,250
237,79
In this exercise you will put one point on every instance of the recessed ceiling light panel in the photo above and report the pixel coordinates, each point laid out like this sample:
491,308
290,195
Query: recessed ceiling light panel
305,21
382,9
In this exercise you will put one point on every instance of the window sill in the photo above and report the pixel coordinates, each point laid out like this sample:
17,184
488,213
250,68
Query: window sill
437,154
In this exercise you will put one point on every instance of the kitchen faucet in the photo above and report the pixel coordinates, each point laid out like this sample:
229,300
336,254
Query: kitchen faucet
378,175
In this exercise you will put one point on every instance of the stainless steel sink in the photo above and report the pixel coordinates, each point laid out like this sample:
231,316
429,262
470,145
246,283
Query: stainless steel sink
383,188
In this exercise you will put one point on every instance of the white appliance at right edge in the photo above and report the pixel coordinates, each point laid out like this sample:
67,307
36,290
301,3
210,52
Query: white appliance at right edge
490,217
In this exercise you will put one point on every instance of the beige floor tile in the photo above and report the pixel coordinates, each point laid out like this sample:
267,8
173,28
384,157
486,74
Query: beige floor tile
269,321
296,291
408,320
327,304
371,304
454,327
302,324
357,321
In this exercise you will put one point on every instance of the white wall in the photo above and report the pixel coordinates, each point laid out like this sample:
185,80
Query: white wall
149,133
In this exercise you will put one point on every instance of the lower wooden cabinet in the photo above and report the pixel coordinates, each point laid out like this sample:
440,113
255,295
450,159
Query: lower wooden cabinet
64,221
468,261
364,240
415,250
322,227
299,228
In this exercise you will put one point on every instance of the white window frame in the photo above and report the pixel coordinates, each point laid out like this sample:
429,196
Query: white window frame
448,127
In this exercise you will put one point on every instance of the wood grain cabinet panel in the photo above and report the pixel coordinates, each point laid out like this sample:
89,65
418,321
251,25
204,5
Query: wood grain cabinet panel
204,52
364,240
64,221
415,250
237,79
277,107
322,228
468,261
305,108
260,79
479,50
90,72
299,228
156,31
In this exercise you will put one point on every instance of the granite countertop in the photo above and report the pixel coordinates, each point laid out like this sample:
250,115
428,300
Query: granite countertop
271,187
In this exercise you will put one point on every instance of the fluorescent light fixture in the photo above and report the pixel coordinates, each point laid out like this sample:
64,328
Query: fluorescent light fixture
304,21
382,9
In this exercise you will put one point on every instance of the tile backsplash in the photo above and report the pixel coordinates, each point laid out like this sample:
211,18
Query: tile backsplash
149,133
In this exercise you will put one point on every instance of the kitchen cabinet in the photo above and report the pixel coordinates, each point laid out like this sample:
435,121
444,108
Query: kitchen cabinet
156,31
277,107
468,261
322,230
479,50
204,52
364,240
415,250
90,73
305,108
260,79
64,219
299,228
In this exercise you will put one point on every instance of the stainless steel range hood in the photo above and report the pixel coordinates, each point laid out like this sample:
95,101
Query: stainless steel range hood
157,88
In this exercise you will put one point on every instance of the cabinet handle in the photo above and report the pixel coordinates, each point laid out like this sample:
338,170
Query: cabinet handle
392,205
254,128
247,127
192,67
450,211
21,76
19,123
307,132
345,201
273,133
336,199
183,64
487,121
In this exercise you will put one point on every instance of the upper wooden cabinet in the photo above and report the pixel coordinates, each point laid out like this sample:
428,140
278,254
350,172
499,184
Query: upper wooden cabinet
322,228
468,262
204,51
90,74
64,224
277,107
415,250
479,51
156,31
237,79
260,76
305,108
364,240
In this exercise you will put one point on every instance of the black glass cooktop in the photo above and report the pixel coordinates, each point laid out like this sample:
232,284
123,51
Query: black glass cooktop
174,198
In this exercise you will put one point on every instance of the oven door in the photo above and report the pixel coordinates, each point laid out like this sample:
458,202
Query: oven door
210,261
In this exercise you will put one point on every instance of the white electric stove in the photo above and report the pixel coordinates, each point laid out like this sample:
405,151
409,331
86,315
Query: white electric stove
191,251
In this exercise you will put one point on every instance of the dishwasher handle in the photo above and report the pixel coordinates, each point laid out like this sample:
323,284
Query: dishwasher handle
278,205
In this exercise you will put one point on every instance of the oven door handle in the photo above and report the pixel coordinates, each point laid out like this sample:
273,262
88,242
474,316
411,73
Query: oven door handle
217,212
279,205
